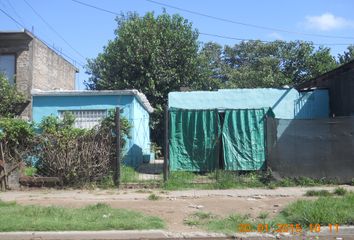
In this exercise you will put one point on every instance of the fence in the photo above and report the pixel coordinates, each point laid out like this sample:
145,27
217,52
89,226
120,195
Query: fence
316,148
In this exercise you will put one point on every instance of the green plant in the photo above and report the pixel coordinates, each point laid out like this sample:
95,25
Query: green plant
324,211
11,101
199,218
180,180
17,137
153,197
100,216
128,174
30,171
340,191
263,215
311,193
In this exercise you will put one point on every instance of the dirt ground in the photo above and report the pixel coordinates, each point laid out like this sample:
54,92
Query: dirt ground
173,206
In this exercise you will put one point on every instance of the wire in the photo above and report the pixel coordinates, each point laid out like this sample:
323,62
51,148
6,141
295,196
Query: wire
52,28
201,33
247,24
20,25
95,7
14,10
245,39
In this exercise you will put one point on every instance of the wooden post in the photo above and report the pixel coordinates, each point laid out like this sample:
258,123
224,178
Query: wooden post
3,177
117,162
166,155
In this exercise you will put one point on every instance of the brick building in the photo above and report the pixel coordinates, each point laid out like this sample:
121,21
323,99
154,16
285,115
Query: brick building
30,64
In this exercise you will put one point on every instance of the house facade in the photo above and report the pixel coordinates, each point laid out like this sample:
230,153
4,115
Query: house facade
90,107
227,129
29,63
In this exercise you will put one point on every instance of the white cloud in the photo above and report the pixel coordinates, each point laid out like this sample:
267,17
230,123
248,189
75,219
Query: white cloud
327,22
276,36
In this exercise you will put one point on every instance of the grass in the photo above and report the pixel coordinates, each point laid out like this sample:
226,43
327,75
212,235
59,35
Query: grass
128,174
339,191
15,217
324,210
228,180
215,223
153,197
317,193
263,215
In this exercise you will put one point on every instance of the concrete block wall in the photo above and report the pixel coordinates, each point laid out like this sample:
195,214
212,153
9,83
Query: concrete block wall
39,67
51,71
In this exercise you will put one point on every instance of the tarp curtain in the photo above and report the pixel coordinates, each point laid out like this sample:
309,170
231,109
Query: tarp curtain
194,140
243,137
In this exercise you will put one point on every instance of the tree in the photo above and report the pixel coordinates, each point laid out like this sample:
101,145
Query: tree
155,55
347,55
257,64
10,99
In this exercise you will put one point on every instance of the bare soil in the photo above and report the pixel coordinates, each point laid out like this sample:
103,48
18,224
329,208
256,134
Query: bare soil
173,206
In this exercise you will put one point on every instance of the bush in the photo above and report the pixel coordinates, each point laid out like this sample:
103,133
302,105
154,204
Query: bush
340,191
17,137
77,156
11,101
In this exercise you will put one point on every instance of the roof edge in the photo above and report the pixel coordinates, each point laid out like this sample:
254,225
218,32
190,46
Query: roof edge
140,96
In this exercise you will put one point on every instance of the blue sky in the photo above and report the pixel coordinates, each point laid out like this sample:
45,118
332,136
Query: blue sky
87,30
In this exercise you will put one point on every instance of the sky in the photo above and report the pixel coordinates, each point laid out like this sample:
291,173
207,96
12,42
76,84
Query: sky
80,32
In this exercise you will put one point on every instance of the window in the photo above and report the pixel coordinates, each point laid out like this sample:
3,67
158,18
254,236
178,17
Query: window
86,118
7,67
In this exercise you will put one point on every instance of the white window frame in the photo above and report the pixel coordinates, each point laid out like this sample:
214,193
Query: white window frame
86,118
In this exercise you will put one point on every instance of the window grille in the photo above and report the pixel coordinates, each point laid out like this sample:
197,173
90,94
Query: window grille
86,118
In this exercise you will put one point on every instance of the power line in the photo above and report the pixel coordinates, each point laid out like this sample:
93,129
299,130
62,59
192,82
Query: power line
247,24
8,15
20,25
14,10
52,28
245,39
201,33
95,7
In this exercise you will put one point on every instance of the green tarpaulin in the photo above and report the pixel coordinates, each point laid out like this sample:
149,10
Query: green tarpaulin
243,139
195,137
194,140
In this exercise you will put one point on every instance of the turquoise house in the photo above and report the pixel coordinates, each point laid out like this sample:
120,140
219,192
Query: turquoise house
89,107
227,129
286,103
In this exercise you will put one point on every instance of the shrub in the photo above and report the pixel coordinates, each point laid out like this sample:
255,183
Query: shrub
11,101
312,193
17,137
340,191
77,156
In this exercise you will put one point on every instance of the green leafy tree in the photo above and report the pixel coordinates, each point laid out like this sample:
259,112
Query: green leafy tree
10,99
154,54
347,55
257,64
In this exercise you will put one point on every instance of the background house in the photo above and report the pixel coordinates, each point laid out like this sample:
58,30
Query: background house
29,63
89,107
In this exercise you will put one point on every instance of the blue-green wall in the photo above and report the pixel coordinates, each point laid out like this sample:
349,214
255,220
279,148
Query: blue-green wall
137,146
286,103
